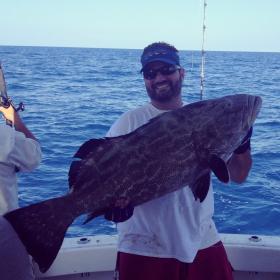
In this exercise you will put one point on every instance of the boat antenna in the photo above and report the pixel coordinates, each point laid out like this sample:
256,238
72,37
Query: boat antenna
202,76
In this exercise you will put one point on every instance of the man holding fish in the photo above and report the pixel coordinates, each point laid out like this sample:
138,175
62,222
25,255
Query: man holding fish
173,236
158,159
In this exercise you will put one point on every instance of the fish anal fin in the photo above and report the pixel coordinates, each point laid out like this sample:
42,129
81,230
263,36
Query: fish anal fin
93,215
219,168
200,186
115,213
119,214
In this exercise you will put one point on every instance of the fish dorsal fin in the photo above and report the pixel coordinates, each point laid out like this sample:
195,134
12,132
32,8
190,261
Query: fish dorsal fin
219,167
92,147
73,171
201,186
83,166
89,146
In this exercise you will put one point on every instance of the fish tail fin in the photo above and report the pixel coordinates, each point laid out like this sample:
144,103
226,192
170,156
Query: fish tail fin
41,228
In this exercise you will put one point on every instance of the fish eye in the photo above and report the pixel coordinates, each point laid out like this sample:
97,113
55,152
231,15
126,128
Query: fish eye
228,104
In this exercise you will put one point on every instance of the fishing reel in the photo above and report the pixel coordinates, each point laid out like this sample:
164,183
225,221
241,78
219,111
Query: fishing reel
7,102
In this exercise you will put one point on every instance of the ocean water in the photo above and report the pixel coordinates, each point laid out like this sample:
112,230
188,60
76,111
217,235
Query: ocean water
74,94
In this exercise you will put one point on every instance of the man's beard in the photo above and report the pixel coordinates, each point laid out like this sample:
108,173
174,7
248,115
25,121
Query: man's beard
165,94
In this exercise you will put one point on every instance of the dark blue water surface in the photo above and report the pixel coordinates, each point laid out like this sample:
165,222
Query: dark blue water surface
73,94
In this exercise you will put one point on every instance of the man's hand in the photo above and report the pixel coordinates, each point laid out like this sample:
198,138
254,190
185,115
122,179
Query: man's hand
9,113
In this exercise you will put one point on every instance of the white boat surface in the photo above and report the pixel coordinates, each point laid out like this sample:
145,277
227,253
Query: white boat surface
93,257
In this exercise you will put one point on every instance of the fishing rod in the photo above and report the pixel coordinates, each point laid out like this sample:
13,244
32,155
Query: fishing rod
5,100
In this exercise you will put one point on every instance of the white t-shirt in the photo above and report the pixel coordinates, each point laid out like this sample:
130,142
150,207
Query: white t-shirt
171,226
16,152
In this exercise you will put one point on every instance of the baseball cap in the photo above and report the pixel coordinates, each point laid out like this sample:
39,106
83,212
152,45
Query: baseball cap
159,52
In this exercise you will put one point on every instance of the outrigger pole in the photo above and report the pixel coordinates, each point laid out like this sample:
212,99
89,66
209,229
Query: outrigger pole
202,54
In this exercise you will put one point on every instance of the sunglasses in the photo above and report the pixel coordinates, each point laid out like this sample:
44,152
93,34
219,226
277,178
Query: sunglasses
150,73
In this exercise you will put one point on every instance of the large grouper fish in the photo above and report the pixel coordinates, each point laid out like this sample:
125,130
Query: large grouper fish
179,148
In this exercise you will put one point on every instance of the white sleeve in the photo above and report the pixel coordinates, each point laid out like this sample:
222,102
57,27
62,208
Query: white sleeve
7,142
17,150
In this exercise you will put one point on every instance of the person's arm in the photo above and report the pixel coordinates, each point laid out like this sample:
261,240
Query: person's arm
11,114
25,153
240,162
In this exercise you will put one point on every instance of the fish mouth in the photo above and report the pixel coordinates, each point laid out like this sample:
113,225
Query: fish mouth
252,108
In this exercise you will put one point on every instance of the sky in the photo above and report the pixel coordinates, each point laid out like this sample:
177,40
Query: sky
231,25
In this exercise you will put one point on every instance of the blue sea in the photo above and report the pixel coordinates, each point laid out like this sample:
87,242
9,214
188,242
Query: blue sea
74,94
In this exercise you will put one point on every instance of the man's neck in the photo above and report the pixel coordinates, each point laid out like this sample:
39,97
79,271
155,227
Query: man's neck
171,105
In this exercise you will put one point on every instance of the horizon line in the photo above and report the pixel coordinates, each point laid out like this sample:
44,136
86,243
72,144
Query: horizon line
121,48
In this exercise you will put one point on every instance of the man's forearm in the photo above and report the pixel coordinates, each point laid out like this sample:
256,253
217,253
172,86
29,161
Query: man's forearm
12,115
21,127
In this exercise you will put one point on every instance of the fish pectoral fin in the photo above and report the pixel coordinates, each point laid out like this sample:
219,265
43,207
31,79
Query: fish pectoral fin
201,186
219,167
